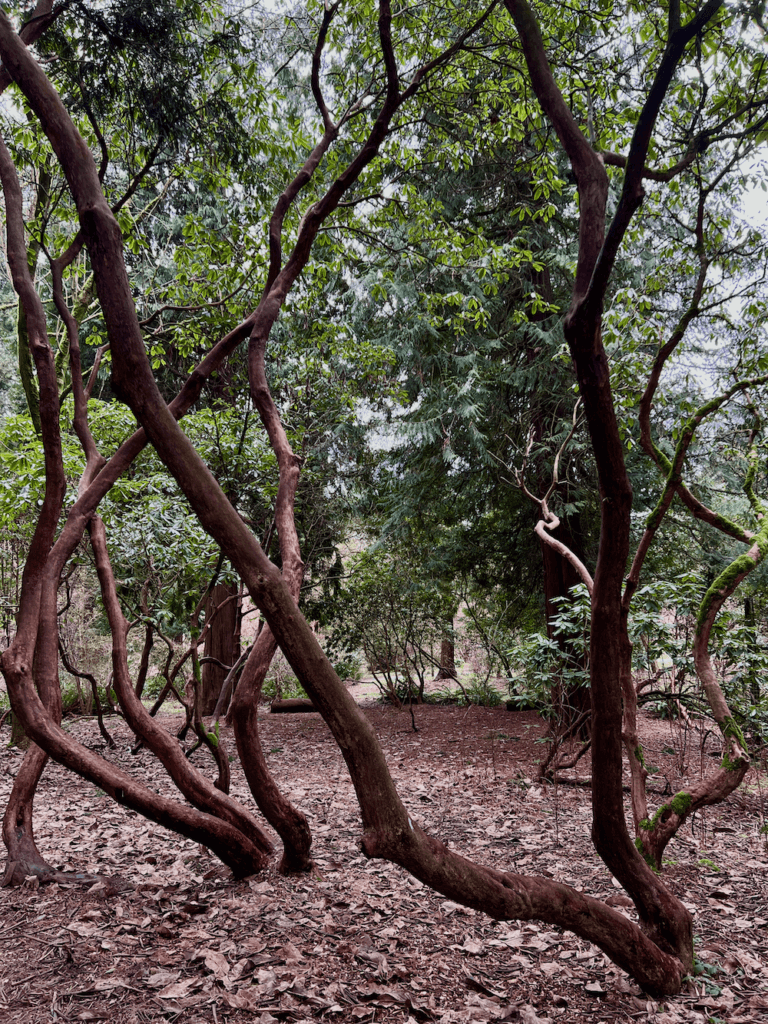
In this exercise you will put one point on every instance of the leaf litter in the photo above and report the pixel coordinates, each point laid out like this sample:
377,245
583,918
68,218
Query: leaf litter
362,940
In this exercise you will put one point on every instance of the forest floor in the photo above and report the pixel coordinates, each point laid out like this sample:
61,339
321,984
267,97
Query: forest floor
361,940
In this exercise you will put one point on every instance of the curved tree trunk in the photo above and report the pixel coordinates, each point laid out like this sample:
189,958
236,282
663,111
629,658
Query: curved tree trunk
226,842
388,829
289,822
663,916
654,834
192,783
24,858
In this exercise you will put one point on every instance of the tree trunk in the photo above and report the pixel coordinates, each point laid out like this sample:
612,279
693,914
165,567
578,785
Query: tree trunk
192,783
19,738
24,858
288,821
220,643
447,668
291,706
389,829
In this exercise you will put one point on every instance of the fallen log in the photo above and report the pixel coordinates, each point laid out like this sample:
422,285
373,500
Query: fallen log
291,706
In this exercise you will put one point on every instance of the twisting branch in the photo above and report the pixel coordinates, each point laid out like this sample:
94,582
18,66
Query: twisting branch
663,915
330,132
678,38
654,834
96,129
317,92
649,174
193,784
549,522
80,674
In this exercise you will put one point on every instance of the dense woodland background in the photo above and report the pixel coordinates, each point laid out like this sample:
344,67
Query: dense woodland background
464,310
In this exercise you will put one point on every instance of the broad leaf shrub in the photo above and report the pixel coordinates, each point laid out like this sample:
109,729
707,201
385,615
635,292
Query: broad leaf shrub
662,625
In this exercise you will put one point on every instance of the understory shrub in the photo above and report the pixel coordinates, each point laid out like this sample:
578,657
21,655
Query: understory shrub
281,683
77,698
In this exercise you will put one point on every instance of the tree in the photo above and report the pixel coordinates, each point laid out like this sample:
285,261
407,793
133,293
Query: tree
468,294
401,54
390,611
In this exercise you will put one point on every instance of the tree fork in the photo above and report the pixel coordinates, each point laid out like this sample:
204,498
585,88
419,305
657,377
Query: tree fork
193,784
289,822
388,829
665,917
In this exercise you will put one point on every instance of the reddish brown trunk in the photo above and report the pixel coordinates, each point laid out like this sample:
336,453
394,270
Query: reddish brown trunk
192,783
292,706
447,668
388,829
662,915
24,858
289,822
220,643
225,841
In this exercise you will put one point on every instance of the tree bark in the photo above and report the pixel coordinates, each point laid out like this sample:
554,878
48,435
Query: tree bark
19,738
291,706
193,784
388,830
662,915
288,821
220,643
24,858
447,668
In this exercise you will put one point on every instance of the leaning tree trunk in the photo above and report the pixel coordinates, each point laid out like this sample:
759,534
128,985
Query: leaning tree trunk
193,784
663,916
654,833
35,646
24,858
288,821
389,830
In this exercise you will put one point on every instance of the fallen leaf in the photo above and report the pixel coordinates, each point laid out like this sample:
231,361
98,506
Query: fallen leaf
216,963
179,989
162,978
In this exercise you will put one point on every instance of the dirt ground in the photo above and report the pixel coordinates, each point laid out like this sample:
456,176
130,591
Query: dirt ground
362,941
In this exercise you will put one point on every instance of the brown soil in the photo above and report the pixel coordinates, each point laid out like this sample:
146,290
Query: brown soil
362,940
